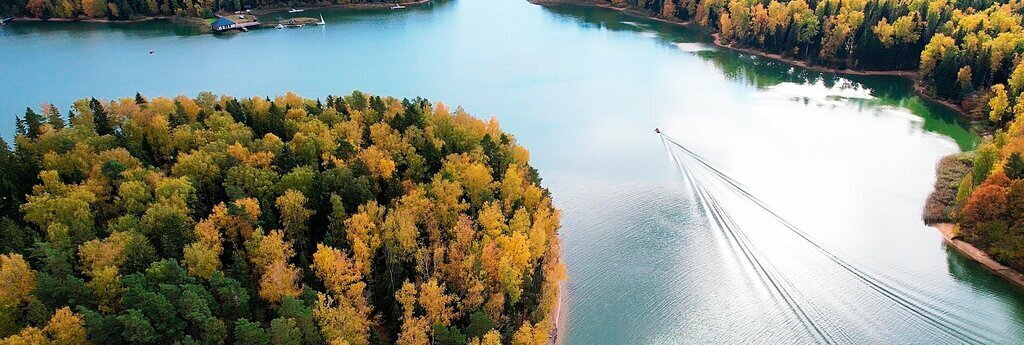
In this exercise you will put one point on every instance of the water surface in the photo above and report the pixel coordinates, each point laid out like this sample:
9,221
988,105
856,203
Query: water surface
848,159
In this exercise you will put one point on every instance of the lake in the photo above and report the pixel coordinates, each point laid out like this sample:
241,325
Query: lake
850,160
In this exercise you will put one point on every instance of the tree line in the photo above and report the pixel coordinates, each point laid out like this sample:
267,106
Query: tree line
357,220
132,9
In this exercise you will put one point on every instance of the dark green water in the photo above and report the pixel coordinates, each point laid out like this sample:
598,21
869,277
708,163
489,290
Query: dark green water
848,159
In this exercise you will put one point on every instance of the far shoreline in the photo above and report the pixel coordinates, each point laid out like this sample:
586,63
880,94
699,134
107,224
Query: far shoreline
364,6
912,76
197,20
1013,276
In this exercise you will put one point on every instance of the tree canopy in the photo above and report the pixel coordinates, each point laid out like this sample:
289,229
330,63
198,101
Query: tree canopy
355,220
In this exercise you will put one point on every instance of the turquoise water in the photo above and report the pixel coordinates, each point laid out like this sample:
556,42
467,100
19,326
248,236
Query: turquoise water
850,160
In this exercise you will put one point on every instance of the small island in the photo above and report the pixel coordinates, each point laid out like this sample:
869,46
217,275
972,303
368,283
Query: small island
355,219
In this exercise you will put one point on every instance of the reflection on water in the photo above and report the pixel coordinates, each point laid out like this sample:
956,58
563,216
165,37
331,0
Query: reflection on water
849,159
965,270
81,30
764,73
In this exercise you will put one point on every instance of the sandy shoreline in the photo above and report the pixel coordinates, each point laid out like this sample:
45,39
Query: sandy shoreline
1015,277
557,318
913,76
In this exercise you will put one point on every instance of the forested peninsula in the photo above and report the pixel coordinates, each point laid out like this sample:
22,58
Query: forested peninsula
218,220
981,195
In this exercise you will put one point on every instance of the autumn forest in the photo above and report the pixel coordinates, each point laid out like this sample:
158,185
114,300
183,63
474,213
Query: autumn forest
358,219
135,9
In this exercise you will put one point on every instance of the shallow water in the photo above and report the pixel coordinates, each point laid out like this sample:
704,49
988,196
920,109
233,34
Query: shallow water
849,160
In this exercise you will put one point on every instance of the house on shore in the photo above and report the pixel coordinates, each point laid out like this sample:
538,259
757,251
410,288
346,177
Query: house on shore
223,24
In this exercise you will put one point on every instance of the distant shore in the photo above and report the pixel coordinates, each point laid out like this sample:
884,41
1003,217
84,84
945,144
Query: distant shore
92,20
913,76
626,10
1012,275
197,20
366,6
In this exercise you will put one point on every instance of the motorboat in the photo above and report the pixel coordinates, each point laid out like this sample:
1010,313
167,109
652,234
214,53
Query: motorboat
397,7
295,10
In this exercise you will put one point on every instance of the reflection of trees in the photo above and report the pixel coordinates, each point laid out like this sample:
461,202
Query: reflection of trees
752,71
968,271
82,30
599,18
763,73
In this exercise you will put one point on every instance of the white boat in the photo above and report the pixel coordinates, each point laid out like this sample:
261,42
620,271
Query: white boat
397,7
295,10
279,26
321,22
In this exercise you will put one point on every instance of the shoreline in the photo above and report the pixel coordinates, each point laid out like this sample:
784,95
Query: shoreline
912,76
626,10
93,20
186,20
1013,276
363,6
555,338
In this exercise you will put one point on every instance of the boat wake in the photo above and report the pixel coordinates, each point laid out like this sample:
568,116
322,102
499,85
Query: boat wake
959,328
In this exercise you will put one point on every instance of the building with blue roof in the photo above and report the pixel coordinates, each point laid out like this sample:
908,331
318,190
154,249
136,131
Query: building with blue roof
222,24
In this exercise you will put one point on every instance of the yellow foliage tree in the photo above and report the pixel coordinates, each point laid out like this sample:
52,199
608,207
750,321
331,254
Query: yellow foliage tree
106,284
436,303
64,328
999,103
280,280
17,280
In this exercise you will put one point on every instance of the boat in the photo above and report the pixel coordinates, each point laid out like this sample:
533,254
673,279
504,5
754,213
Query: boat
295,10
397,7
321,22
3,21
279,26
